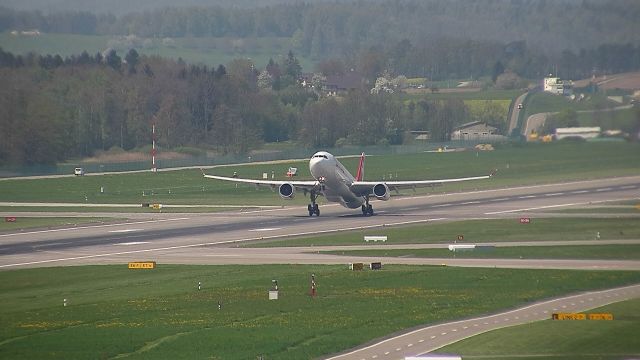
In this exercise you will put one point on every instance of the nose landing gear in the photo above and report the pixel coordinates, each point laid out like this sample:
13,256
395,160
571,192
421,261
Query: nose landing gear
313,207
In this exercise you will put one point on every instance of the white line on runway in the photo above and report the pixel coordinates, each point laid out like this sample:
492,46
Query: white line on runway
132,243
124,230
553,206
554,194
527,197
580,192
92,227
441,205
214,243
500,199
266,229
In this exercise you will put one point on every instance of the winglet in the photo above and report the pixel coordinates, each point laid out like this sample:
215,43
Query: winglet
202,170
360,173
493,172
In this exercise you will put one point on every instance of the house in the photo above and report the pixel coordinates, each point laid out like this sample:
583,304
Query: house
340,84
558,87
475,130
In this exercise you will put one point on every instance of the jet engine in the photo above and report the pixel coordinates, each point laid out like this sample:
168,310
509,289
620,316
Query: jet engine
287,191
381,191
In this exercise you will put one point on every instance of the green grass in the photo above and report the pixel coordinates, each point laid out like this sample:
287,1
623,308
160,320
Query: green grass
36,222
159,314
467,95
136,210
208,51
544,102
602,210
516,164
601,252
555,340
476,231
624,119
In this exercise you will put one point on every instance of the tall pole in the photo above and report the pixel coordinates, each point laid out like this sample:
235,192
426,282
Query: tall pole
153,148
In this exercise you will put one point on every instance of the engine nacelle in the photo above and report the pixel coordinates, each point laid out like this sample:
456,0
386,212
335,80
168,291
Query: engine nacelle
381,191
287,191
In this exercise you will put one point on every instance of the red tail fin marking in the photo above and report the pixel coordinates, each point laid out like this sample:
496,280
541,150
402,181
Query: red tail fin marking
360,173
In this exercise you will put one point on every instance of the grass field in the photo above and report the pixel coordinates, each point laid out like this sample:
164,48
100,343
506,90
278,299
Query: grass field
603,210
475,231
469,95
624,119
560,340
544,102
517,165
600,252
114,312
208,51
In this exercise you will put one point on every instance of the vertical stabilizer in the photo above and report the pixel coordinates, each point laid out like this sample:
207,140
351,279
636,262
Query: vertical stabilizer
360,173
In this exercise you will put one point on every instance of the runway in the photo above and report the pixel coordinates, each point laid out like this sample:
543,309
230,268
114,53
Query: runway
212,238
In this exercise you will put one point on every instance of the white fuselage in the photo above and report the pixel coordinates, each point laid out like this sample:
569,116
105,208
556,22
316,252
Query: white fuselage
326,169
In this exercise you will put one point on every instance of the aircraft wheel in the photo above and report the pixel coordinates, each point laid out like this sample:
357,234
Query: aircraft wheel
364,210
370,209
316,209
310,209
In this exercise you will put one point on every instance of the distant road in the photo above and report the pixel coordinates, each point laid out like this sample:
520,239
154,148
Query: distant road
515,114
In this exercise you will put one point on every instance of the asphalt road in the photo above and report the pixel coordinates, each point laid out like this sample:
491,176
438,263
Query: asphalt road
210,238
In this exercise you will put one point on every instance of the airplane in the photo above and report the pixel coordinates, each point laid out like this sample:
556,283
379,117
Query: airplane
333,181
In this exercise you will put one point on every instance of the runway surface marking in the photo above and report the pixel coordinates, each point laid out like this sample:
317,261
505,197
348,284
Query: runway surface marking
131,243
93,256
92,227
553,206
265,229
124,231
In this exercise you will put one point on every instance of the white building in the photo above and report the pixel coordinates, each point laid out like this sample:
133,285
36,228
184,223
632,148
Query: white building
582,132
557,86
475,130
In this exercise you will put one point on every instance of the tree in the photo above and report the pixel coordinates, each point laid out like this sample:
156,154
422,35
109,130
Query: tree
132,58
113,60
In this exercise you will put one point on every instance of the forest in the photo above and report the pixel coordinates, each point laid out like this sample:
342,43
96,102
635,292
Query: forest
57,108
321,29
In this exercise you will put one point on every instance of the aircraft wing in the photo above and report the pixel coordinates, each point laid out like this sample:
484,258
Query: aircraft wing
302,185
366,187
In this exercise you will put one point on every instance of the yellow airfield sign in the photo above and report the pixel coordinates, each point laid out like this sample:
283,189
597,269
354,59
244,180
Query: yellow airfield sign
142,265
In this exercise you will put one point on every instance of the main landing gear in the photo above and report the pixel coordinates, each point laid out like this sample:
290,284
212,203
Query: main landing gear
367,209
313,207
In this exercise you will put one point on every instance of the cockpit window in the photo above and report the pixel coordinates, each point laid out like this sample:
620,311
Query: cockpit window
320,156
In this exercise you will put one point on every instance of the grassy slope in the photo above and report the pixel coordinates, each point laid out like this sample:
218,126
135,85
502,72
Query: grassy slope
530,164
555,340
475,231
160,314
602,252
